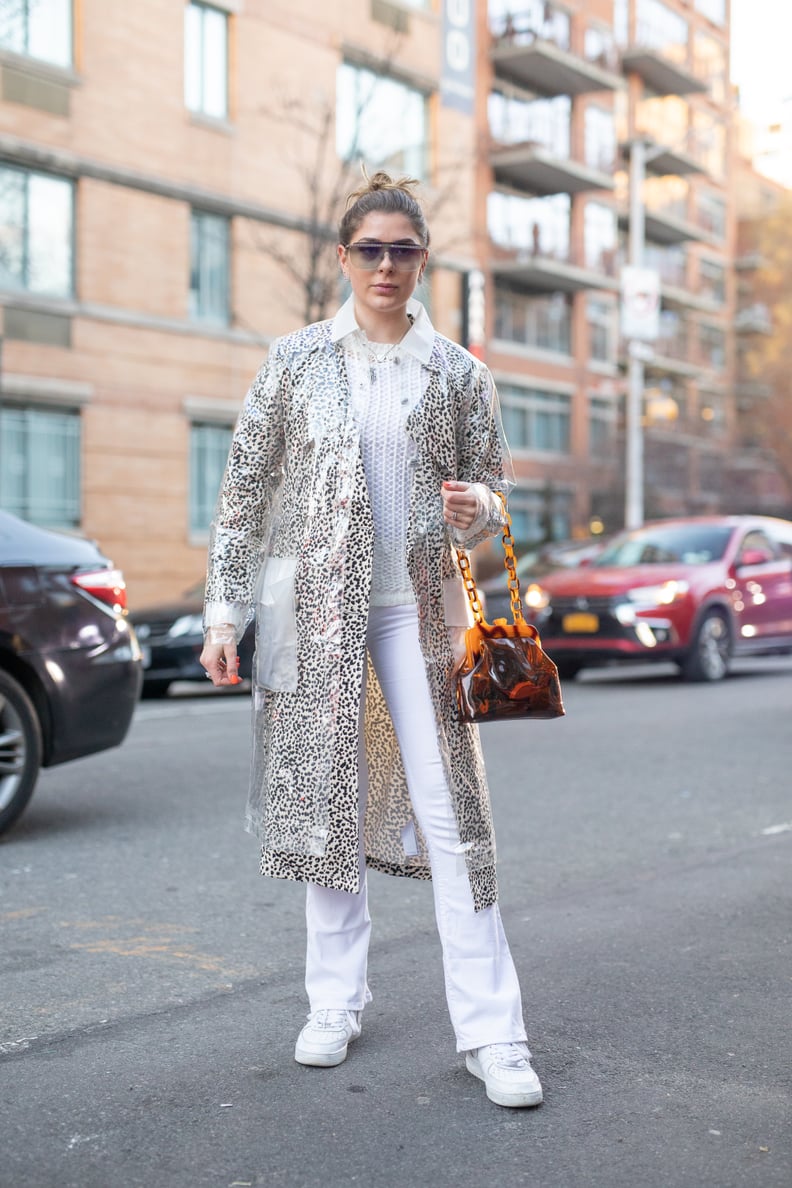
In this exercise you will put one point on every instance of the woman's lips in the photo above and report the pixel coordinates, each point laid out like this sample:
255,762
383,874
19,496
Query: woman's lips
385,288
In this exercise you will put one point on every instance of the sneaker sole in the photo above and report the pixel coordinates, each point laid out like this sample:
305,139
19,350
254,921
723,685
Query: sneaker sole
510,1100
320,1059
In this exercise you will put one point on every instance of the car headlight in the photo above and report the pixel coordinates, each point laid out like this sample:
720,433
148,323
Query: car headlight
663,595
534,597
187,625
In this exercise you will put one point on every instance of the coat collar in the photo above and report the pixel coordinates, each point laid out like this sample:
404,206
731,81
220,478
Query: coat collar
418,341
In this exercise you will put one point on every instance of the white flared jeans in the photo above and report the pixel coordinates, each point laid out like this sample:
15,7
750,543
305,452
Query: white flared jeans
481,983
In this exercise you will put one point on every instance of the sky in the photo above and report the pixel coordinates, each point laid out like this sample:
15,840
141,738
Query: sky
761,42
761,47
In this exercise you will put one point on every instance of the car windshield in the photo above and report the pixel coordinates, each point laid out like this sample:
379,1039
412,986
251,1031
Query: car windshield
688,544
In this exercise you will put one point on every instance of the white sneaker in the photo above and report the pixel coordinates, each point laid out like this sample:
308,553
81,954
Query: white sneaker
506,1072
323,1041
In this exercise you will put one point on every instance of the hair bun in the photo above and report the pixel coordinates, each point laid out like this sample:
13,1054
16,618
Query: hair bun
382,181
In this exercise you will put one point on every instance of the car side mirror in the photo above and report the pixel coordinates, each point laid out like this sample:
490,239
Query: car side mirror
753,557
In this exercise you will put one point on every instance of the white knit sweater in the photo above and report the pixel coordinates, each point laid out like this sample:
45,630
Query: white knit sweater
386,384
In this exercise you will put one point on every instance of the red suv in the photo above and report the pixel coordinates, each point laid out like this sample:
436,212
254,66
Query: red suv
696,591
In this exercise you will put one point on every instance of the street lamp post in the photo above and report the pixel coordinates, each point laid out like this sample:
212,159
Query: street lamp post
634,459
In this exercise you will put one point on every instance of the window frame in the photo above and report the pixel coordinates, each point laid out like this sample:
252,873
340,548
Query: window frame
407,158
202,7
27,508
70,187
541,408
200,511
197,314
25,52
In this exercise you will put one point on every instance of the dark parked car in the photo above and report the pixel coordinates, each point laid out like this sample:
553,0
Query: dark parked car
70,667
171,640
696,591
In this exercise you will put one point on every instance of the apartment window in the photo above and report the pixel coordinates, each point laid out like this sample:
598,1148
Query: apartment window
599,47
603,329
539,516
712,346
209,268
543,322
542,122
712,281
206,60
209,446
40,465
600,139
659,28
713,10
601,237
672,341
38,29
666,118
712,213
670,260
380,120
710,143
603,423
712,63
537,225
712,411
36,232
535,420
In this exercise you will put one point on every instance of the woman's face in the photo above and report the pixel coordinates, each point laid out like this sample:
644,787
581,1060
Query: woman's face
386,288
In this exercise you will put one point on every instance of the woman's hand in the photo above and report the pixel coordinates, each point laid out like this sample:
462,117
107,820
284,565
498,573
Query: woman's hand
460,504
219,655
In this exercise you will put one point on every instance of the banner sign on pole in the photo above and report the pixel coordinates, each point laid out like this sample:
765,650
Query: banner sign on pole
640,307
458,75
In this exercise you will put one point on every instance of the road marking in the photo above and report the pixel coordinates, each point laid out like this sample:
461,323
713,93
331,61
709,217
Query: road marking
773,829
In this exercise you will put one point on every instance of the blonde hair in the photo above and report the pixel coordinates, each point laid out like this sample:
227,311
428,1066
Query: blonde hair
382,193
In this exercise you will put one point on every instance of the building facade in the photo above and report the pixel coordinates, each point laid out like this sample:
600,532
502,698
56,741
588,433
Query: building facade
170,176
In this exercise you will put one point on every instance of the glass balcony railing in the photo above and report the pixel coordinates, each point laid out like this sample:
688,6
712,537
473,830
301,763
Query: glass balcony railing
527,23
532,47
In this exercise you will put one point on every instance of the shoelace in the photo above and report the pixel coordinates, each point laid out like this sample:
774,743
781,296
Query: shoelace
328,1020
510,1055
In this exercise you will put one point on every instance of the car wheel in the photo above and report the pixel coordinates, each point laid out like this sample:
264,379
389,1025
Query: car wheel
20,749
568,669
155,688
708,656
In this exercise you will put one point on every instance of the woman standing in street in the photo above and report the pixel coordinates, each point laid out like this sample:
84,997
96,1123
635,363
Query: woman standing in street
368,449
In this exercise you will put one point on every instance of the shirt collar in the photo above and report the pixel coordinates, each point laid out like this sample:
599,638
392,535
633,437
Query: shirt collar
418,341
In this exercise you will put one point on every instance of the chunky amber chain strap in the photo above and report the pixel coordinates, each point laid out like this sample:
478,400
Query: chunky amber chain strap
510,562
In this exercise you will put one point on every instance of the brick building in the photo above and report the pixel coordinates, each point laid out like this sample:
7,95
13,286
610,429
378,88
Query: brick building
167,170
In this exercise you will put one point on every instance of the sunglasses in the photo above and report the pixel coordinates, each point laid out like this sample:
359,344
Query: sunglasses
405,257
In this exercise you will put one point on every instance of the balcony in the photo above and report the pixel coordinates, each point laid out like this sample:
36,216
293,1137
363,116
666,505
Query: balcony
548,271
660,63
667,224
532,49
754,319
681,158
532,167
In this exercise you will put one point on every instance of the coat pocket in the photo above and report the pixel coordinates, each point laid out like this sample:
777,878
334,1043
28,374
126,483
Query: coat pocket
457,614
276,626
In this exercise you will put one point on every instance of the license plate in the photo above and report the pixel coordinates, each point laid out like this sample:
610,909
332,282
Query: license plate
145,652
580,624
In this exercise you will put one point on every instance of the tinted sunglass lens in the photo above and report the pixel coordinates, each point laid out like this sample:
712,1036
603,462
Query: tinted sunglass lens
368,255
405,256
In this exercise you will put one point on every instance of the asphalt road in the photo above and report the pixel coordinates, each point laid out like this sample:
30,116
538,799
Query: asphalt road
151,981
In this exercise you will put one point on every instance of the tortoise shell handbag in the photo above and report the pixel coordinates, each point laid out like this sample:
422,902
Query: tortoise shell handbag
504,673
